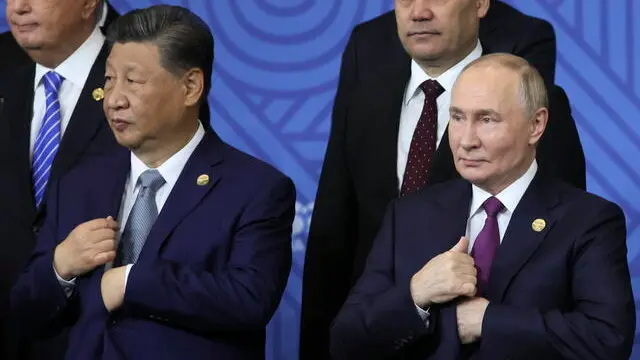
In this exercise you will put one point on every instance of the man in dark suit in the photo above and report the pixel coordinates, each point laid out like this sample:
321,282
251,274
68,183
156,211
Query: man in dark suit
65,44
13,56
167,248
374,46
540,271
390,131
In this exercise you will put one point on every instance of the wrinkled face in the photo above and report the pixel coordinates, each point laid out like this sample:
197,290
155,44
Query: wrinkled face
432,30
491,138
144,103
44,24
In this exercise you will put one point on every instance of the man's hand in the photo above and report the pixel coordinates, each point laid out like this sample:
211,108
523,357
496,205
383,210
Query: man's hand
89,245
470,314
112,288
445,277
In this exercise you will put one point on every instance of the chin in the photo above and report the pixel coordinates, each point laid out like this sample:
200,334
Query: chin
473,175
126,141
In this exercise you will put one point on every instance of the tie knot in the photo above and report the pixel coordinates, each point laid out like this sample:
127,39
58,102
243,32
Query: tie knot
52,81
151,179
492,206
431,89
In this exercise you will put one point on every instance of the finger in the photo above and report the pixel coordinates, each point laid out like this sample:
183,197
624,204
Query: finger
104,257
111,223
105,245
100,235
466,269
462,246
468,289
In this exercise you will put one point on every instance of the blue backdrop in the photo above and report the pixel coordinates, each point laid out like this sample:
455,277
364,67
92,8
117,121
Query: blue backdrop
276,70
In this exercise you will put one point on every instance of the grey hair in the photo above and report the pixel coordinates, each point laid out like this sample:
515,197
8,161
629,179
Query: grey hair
184,40
532,90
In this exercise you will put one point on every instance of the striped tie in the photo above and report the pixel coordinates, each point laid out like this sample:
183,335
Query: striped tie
141,219
48,139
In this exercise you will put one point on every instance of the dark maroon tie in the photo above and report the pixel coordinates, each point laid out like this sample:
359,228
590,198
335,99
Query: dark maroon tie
424,141
486,244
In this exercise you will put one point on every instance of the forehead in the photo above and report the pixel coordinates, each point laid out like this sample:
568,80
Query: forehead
485,86
141,56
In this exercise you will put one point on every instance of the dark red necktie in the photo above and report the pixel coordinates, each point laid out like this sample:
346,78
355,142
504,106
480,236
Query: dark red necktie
424,141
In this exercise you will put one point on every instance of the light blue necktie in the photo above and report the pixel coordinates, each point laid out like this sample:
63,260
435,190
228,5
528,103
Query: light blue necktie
141,219
48,139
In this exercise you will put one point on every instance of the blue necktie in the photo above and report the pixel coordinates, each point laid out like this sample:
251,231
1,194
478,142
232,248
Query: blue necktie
48,139
141,219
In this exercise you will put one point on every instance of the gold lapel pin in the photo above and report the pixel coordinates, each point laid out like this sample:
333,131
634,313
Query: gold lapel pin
203,180
538,225
98,94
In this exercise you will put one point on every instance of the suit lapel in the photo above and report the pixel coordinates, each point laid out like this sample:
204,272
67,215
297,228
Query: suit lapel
456,203
18,111
115,189
521,240
186,193
448,222
442,165
386,131
86,119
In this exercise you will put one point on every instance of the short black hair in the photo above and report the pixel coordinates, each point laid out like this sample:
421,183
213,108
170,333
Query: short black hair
184,40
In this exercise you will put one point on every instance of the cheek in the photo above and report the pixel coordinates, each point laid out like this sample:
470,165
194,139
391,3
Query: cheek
498,145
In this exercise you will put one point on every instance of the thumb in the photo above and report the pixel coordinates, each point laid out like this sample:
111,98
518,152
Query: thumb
462,245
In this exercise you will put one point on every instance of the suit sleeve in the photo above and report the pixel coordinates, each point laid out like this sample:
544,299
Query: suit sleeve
538,47
332,235
599,325
379,319
560,151
39,305
245,294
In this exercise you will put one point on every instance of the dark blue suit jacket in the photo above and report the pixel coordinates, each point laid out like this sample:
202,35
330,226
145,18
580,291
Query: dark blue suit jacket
208,280
561,293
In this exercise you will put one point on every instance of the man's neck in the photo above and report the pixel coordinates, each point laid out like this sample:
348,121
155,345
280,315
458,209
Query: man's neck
437,67
501,184
53,57
160,153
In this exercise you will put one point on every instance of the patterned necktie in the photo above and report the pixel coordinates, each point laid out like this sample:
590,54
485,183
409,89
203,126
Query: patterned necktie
48,138
141,219
424,140
487,242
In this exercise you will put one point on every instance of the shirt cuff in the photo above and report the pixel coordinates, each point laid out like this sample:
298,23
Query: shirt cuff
424,314
67,285
126,275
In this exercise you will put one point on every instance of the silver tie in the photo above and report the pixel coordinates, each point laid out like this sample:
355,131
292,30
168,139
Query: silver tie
142,217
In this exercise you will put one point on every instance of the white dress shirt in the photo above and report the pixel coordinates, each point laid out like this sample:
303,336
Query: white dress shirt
75,71
414,102
509,197
170,171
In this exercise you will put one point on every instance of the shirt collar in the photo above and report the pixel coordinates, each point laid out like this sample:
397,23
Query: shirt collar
76,68
446,79
103,17
170,169
510,196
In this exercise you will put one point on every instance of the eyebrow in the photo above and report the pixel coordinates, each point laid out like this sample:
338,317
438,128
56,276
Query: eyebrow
478,112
